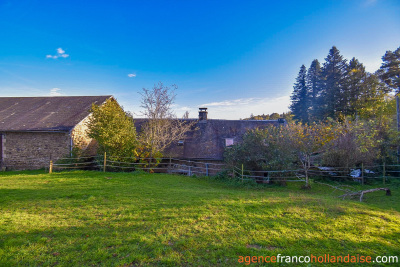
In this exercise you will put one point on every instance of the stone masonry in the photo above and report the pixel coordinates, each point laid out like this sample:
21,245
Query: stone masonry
80,140
24,150
33,150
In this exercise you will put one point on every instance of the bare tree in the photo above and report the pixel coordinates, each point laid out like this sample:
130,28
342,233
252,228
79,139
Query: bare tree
162,128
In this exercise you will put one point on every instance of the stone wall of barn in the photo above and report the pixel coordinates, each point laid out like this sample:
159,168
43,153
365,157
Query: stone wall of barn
27,150
211,137
86,146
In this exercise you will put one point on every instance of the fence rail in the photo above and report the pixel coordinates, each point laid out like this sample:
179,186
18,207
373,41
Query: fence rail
204,168
170,165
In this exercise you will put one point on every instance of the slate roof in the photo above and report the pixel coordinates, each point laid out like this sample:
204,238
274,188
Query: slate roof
207,140
56,113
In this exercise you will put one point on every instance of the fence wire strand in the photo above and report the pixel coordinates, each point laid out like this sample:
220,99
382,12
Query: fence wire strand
199,167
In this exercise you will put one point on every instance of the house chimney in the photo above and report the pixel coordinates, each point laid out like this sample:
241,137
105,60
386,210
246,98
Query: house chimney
203,114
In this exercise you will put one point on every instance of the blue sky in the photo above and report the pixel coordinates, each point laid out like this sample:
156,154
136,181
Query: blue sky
234,57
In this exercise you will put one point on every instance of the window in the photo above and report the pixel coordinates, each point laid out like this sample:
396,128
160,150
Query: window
228,141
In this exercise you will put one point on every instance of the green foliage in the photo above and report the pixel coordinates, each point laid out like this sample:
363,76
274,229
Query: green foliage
113,130
390,69
353,143
374,102
345,144
370,141
273,116
262,149
306,140
279,148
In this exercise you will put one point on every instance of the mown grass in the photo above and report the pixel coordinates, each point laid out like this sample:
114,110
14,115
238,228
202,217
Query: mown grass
87,218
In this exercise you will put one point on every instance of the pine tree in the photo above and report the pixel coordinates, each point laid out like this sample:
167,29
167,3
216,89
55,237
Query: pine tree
300,98
314,86
355,86
390,69
331,102
390,74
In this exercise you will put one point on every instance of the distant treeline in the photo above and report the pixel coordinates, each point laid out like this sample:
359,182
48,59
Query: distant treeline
273,116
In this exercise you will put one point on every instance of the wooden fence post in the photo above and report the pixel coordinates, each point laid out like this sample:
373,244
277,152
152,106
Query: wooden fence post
51,166
362,173
105,162
384,173
206,169
242,173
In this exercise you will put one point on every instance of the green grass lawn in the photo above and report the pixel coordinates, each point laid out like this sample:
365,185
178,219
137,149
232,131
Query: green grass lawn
87,218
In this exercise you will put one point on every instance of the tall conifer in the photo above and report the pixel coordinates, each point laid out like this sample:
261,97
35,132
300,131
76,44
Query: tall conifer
354,87
332,103
314,86
300,98
390,69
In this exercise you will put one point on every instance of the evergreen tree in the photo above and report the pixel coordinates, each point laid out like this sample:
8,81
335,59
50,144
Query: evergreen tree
390,69
331,102
314,85
300,98
373,98
354,87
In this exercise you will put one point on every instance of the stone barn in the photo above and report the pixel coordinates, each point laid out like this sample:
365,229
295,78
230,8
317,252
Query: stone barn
34,130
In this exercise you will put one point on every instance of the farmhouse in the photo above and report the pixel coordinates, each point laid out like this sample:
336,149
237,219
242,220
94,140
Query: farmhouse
209,137
34,130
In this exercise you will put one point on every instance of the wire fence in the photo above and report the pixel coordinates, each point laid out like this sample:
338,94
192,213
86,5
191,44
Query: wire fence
188,167
166,165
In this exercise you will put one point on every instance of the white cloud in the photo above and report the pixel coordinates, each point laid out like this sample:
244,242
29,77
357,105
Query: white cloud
242,108
240,101
235,109
230,109
132,75
60,53
185,108
55,92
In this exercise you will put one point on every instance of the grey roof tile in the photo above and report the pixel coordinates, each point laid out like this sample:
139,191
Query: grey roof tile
57,113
